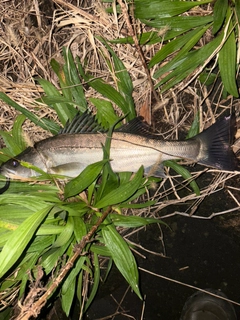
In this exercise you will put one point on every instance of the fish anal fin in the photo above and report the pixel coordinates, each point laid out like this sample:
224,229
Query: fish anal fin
157,170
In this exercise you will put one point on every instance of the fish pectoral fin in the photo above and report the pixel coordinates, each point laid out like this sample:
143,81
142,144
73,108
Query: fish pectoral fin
157,170
70,169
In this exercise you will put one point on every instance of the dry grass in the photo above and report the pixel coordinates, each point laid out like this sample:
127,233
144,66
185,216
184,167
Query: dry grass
32,32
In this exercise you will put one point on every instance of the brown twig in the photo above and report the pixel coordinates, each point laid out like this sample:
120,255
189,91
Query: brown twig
33,310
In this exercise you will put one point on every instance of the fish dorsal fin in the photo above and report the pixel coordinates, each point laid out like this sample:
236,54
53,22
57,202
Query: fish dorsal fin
82,123
87,123
137,126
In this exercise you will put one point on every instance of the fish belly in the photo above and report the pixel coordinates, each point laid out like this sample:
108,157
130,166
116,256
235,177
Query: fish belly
71,163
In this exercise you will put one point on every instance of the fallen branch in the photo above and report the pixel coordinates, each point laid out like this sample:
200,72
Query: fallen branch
33,310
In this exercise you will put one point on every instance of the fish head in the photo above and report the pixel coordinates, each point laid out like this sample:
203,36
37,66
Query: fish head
15,170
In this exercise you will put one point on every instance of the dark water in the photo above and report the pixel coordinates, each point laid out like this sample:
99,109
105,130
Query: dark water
210,254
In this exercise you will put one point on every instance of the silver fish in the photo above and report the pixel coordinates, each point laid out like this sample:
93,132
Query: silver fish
133,145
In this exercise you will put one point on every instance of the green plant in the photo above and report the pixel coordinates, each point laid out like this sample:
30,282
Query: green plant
183,25
55,234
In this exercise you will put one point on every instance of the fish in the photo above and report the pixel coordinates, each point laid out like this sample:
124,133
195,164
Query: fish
133,145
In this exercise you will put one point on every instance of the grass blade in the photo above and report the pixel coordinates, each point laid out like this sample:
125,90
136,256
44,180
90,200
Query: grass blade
123,192
81,182
122,256
227,61
20,238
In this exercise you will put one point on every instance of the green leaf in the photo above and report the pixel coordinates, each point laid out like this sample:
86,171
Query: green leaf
184,173
69,284
122,256
51,91
194,130
187,40
44,123
50,258
20,238
95,282
65,235
179,25
67,297
219,14
80,229
207,78
105,113
143,39
12,146
123,192
106,90
131,221
227,61
137,205
74,78
189,63
150,9
86,177
124,82
17,132
237,8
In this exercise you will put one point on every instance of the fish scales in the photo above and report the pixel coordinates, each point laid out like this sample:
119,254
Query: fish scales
132,145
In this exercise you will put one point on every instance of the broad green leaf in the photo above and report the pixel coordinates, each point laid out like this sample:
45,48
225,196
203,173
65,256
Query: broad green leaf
192,38
150,9
42,122
68,296
95,281
184,173
123,192
86,177
80,229
131,221
106,90
50,258
20,238
65,235
179,25
12,146
189,63
76,88
207,78
219,14
31,202
122,256
17,131
73,273
51,91
124,82
109,178
100,250
237,8
187,40
227,61
70,283
105,113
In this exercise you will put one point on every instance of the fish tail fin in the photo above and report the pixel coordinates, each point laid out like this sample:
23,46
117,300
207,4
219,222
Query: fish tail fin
216,142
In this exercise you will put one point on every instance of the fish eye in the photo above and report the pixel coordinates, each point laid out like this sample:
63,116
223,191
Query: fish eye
15,163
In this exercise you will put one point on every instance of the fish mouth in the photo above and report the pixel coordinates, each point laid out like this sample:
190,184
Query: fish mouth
7,184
